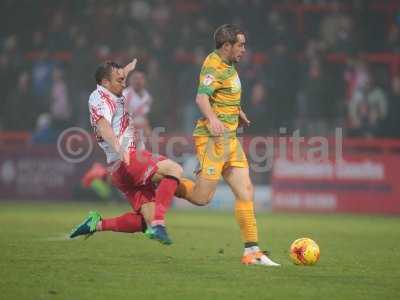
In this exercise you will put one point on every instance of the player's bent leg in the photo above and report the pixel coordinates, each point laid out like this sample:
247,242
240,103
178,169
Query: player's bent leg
164,171
147,211
185,188
168,174
211,161
198,193
167,167
171,173
239,181
158,232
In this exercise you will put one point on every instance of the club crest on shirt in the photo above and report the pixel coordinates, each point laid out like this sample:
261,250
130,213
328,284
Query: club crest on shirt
208,79
211,171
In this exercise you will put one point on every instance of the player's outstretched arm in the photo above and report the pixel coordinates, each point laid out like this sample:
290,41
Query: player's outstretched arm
216,126
108,135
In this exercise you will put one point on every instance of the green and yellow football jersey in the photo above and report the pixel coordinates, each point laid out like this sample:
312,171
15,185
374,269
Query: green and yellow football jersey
220,81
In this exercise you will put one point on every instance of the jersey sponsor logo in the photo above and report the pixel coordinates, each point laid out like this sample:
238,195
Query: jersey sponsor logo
208,79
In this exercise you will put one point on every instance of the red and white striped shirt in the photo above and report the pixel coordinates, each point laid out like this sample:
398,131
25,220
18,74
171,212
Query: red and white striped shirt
104,104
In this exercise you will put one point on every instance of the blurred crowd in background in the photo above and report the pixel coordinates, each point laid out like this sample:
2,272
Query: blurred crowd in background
313,76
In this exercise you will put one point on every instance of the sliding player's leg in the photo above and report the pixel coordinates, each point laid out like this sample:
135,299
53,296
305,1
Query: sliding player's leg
239,181
168,174
142,168
129,222
147,211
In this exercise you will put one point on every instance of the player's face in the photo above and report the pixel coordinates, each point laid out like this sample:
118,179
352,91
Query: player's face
238,49
116,84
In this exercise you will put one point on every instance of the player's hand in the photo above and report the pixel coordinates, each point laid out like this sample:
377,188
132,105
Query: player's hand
125,157
216,127
130,67
243,121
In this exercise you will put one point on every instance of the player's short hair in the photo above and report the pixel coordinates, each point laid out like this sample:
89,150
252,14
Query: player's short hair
104,70
226,33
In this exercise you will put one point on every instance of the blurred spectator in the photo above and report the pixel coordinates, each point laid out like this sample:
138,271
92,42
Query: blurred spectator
161,14
256,109
60,107
281,80
314,97
278,31
160,85
12,52
44,132
138,103
368,110
169,38
81,63
393,39
38,42
17,107
10,62
159,48
188,81
337,31
42,70
250,72
393,124
140,10
58,38
356,76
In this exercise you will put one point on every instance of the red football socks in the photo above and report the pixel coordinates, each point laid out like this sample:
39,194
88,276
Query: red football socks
164,195
128,222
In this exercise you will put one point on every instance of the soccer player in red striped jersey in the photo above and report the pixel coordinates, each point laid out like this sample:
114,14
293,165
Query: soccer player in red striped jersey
138,105
133,170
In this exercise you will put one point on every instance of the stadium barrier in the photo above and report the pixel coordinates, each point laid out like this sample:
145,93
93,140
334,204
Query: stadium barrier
37,172
355,176
364,179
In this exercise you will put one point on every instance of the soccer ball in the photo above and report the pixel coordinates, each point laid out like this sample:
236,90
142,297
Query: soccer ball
304,251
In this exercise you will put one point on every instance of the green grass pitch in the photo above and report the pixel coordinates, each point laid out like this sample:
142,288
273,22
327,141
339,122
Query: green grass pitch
360,257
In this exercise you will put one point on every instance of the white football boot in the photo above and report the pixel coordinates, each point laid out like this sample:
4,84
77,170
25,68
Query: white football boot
258,258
